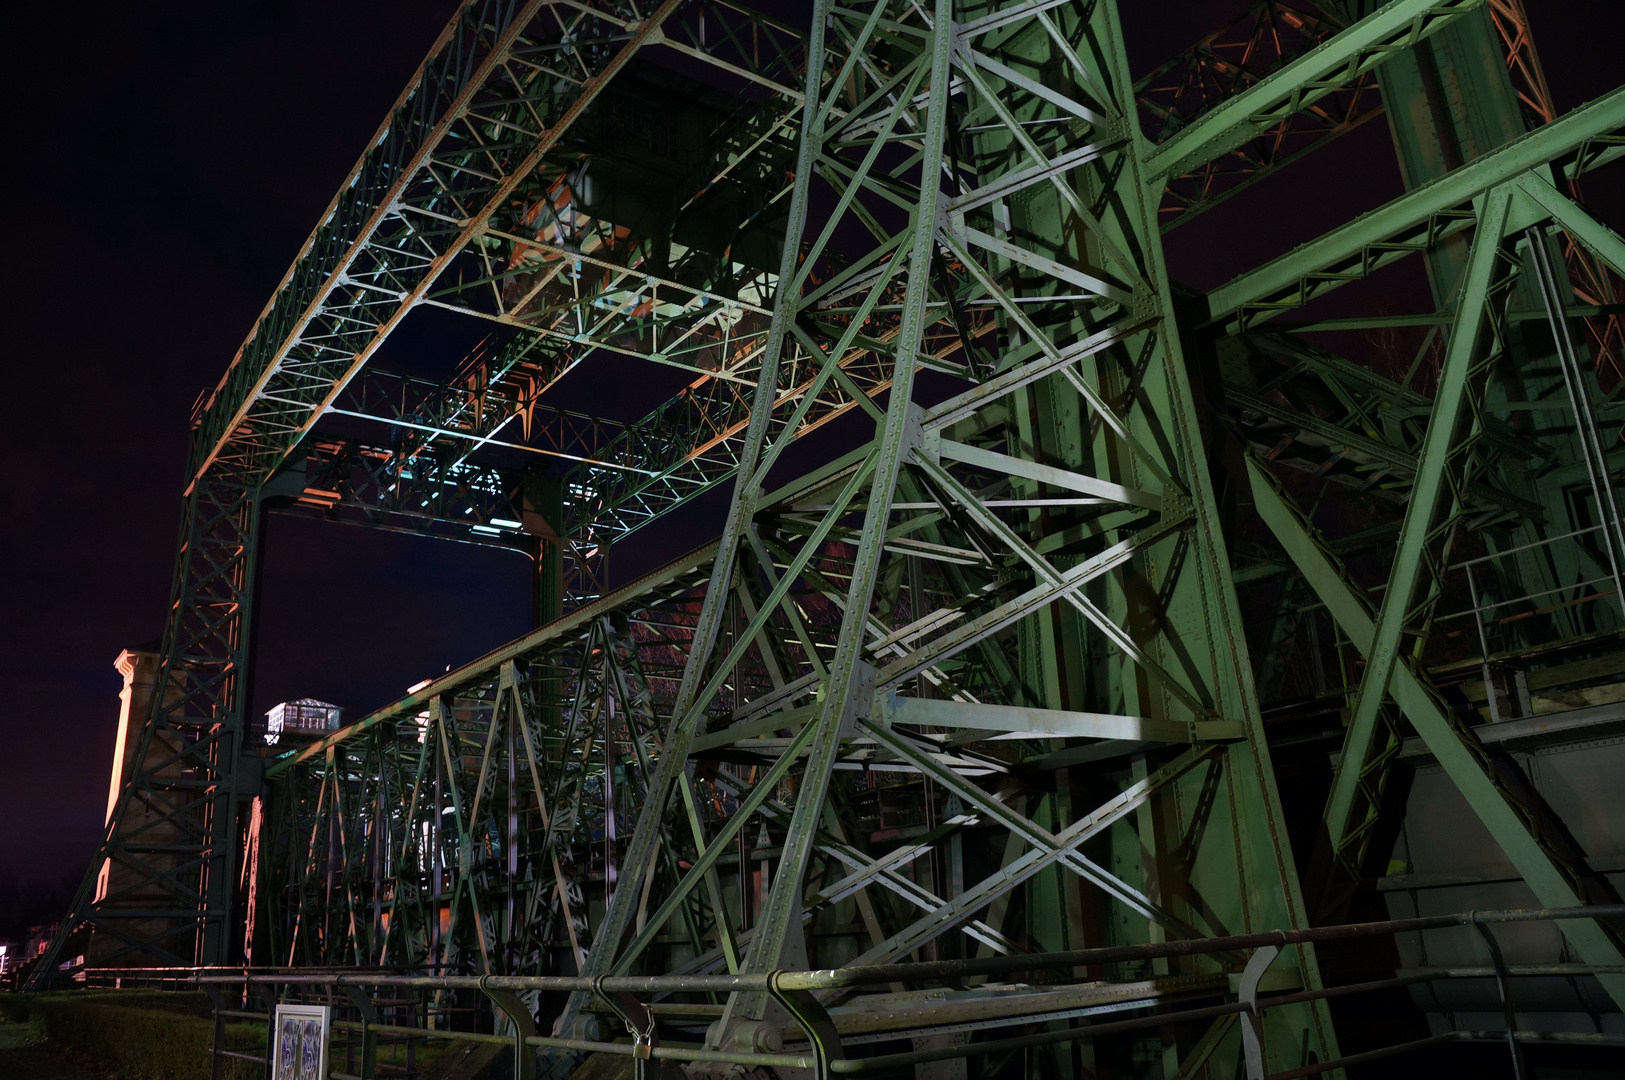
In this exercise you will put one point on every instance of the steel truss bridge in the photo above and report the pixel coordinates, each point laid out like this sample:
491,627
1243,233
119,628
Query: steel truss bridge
1020,667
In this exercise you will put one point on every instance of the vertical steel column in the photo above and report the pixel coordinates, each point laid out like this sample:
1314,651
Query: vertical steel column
1134,518
171,841
619,914
780,921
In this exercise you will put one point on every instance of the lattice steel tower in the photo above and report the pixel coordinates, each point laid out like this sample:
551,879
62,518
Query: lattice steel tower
987,677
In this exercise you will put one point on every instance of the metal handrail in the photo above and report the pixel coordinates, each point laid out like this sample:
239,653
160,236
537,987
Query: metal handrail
794,989
935,970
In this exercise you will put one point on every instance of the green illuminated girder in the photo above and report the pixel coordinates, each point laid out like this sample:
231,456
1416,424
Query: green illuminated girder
1332,65
1412,222
484,111
939,487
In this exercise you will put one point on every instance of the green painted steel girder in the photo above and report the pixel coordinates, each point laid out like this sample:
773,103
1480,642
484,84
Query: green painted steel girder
1026,201
1430,487
1336,63
1406,223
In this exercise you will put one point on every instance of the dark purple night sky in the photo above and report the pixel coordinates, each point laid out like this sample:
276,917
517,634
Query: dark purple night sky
166,163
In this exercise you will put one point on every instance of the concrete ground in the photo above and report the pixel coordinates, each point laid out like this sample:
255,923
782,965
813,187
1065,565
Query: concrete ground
20,1061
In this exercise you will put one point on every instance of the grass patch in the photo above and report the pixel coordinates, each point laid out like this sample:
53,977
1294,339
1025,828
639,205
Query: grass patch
157,1035
152,1035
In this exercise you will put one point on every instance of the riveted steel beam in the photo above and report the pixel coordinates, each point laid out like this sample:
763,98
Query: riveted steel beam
1408,223
1299,84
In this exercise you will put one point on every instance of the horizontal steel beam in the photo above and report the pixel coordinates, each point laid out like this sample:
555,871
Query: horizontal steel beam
1335,63
935,971
490,663
1389,231
1026,722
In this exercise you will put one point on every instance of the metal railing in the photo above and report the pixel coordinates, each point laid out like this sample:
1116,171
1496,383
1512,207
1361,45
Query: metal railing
1493,616
379,999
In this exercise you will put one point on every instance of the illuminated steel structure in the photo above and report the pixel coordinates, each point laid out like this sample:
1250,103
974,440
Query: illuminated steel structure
1004,672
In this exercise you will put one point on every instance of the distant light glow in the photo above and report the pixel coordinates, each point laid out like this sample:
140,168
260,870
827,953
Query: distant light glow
506,523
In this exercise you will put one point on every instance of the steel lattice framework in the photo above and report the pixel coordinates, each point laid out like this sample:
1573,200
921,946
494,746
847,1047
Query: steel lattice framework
1002,675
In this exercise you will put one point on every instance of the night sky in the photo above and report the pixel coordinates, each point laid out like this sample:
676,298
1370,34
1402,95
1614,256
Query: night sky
166,163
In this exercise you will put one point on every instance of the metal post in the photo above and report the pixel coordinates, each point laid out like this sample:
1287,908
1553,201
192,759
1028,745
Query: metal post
1252,1021
810,1014
781,914
1503,986
1431,497
639,1022
369,1036
217,1059
512,1007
